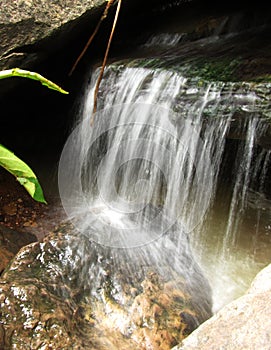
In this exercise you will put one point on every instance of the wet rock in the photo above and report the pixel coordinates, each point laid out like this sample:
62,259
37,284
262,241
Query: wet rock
68,292
243,324
11,242
2,336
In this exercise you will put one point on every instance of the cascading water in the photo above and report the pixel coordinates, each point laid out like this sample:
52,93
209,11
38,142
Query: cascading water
167,195
164,39
235,240
243,179
121,183
146,171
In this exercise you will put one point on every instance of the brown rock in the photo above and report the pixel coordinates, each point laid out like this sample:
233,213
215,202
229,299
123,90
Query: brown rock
2,337
11,242
10,209
69,293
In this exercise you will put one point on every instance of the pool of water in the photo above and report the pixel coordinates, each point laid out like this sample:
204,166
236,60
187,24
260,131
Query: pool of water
231,264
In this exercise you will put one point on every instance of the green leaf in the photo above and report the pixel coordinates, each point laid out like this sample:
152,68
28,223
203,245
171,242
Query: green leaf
17,72
23,173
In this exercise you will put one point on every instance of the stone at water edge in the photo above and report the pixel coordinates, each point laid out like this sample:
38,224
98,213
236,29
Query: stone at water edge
45,297
262,282
11,241
243,324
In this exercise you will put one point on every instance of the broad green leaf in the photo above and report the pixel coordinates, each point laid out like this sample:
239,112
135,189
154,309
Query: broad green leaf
8,160
23,173
17,72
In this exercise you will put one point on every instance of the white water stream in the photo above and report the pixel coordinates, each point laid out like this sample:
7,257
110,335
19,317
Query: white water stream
152,159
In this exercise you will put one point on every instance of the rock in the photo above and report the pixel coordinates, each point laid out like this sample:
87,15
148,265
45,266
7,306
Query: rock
27,22
32,30
11,242
262,282
243,324
10,209
2,336
70,293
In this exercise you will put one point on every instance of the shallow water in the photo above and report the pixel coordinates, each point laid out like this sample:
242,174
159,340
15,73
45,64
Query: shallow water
230,269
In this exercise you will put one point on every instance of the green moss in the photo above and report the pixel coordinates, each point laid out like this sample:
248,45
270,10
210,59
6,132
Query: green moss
216,69
263,79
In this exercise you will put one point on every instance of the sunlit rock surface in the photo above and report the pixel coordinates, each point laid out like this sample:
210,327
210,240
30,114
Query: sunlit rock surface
243,324
69,293
27,22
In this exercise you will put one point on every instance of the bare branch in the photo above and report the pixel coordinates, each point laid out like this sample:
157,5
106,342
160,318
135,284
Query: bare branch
104,15
104,61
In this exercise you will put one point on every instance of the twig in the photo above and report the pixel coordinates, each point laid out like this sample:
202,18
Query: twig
104,15
104,62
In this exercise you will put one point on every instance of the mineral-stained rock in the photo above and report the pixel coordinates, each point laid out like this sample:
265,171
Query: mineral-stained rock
11,242
70,293
243,324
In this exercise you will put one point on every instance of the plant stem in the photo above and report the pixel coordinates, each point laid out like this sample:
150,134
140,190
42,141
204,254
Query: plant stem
104,62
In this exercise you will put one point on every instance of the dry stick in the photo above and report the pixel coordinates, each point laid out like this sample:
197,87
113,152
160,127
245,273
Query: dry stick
104,62
104,15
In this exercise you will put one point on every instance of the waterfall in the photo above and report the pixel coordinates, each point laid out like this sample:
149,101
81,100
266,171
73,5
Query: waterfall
246,172
141,152
164,39
148,167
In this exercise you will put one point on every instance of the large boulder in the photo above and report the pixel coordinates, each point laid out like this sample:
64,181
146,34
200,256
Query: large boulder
70,293
32,30
243,324
25,23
